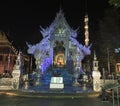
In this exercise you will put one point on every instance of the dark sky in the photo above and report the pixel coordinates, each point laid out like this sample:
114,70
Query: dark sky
21,18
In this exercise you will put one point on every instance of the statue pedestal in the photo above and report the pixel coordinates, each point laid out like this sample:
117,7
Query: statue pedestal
76,83
96,81
84,86
37,81
26,86
16,80
56,83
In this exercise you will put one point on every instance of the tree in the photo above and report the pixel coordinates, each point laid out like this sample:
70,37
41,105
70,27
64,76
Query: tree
109,35
115,3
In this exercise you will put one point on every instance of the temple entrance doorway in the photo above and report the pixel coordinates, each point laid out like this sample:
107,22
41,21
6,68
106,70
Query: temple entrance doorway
59,60
59,55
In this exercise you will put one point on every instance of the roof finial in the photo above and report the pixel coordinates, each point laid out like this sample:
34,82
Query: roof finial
60,11
95,57
86,10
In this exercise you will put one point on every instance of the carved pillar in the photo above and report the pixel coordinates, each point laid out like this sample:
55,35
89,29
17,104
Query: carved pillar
38,73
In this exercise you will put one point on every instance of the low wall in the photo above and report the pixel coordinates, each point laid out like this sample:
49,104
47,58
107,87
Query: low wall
6,83
107,82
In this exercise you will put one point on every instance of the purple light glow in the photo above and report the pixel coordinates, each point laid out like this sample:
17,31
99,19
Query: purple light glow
45,64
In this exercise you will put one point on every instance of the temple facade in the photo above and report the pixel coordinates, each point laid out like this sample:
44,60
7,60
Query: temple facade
59,53
8,55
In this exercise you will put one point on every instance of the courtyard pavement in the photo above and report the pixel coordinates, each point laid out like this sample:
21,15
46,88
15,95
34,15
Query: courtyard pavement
43,96
23,98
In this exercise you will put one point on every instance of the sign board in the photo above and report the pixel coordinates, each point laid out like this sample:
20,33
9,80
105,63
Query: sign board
56,83
56,80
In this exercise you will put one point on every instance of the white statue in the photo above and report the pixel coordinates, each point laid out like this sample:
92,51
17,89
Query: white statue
16,73
96,75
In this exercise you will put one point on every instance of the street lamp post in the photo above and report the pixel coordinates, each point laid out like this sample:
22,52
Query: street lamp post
117,50
108,60
113,94
103,76
118,96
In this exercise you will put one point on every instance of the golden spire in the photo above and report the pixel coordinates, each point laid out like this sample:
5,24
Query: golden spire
86,30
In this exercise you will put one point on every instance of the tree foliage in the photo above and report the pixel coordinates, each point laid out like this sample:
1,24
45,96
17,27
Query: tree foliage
109,36
115,3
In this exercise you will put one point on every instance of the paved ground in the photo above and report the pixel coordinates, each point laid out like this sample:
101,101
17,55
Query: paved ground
15,98
43,96
23,101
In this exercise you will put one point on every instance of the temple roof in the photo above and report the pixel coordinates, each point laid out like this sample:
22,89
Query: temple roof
59,23
59,29
5,45
3,38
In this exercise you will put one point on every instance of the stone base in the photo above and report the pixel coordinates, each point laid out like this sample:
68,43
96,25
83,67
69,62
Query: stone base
26,86
75,83
56,86
6,88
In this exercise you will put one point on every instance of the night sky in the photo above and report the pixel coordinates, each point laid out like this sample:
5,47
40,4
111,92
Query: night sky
21,19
